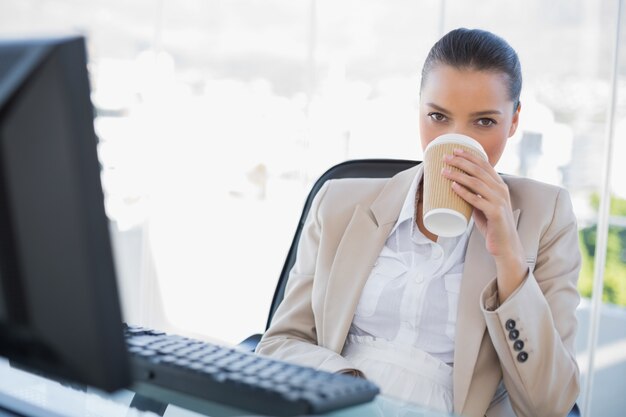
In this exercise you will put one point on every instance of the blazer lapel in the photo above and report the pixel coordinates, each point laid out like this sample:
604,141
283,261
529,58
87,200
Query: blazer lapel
479,270
356,254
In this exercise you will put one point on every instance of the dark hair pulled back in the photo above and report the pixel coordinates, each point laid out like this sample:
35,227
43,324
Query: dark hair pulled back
475,49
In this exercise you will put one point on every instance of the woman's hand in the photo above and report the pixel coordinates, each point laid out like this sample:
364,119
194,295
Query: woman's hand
481,186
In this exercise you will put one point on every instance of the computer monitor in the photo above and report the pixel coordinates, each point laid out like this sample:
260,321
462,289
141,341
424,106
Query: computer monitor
59,307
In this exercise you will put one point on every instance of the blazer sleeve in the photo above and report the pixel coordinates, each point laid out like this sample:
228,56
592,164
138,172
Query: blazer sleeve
292,336
534,330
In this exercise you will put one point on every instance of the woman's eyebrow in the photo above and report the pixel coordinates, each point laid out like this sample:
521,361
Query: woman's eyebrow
474,114
485,113
438,108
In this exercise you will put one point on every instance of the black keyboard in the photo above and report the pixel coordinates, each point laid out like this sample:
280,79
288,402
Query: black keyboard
240,379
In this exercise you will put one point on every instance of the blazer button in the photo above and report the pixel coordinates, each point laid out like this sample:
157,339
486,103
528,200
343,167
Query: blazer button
522,356
518,345
514,334
510,324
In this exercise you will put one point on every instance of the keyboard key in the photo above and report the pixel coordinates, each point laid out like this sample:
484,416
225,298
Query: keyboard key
142,340
196,366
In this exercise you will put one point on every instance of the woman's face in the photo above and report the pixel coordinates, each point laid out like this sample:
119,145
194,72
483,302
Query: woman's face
469,102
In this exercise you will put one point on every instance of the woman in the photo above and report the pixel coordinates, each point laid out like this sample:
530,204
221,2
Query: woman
480,324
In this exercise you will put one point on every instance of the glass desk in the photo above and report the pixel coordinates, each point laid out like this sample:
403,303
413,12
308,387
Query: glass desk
31,395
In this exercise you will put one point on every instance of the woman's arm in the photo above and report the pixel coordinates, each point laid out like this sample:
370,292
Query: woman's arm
483,188
542,376
530,312
292,336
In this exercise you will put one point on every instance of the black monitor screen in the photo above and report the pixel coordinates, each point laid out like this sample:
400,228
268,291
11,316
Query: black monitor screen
59,307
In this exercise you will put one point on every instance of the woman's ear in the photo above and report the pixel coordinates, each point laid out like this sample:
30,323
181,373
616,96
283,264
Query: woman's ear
515,120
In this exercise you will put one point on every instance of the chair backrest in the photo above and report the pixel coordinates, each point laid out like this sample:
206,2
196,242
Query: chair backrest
358,168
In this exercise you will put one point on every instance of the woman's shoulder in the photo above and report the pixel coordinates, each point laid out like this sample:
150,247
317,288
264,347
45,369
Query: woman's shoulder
340,197
351,191
538,200
366,190
522,187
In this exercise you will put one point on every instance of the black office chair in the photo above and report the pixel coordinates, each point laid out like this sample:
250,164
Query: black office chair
359,168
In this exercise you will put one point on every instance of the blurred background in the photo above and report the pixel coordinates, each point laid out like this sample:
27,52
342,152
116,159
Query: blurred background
215,117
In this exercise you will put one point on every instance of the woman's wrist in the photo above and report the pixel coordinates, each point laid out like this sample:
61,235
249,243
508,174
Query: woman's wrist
511,272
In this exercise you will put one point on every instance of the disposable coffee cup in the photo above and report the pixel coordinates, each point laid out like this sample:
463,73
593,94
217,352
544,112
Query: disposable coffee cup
446,214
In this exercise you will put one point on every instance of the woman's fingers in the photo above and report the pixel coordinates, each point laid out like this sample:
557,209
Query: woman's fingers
483,164
485,191
475,199
472,165
476,182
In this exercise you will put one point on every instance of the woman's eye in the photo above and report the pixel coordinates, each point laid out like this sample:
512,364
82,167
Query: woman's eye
438,117
486,122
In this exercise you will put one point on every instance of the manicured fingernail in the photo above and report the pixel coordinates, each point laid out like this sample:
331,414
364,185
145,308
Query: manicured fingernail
445,170
458,151
447,157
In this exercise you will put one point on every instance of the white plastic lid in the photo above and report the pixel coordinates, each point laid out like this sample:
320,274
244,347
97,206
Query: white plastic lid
458,138
445,222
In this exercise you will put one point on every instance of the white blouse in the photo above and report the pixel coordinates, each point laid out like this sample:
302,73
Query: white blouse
412,293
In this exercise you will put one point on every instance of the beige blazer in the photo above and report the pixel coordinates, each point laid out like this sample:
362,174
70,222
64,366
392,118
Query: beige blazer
346,228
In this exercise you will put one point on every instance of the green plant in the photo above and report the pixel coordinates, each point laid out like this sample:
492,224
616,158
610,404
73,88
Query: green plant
615,268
